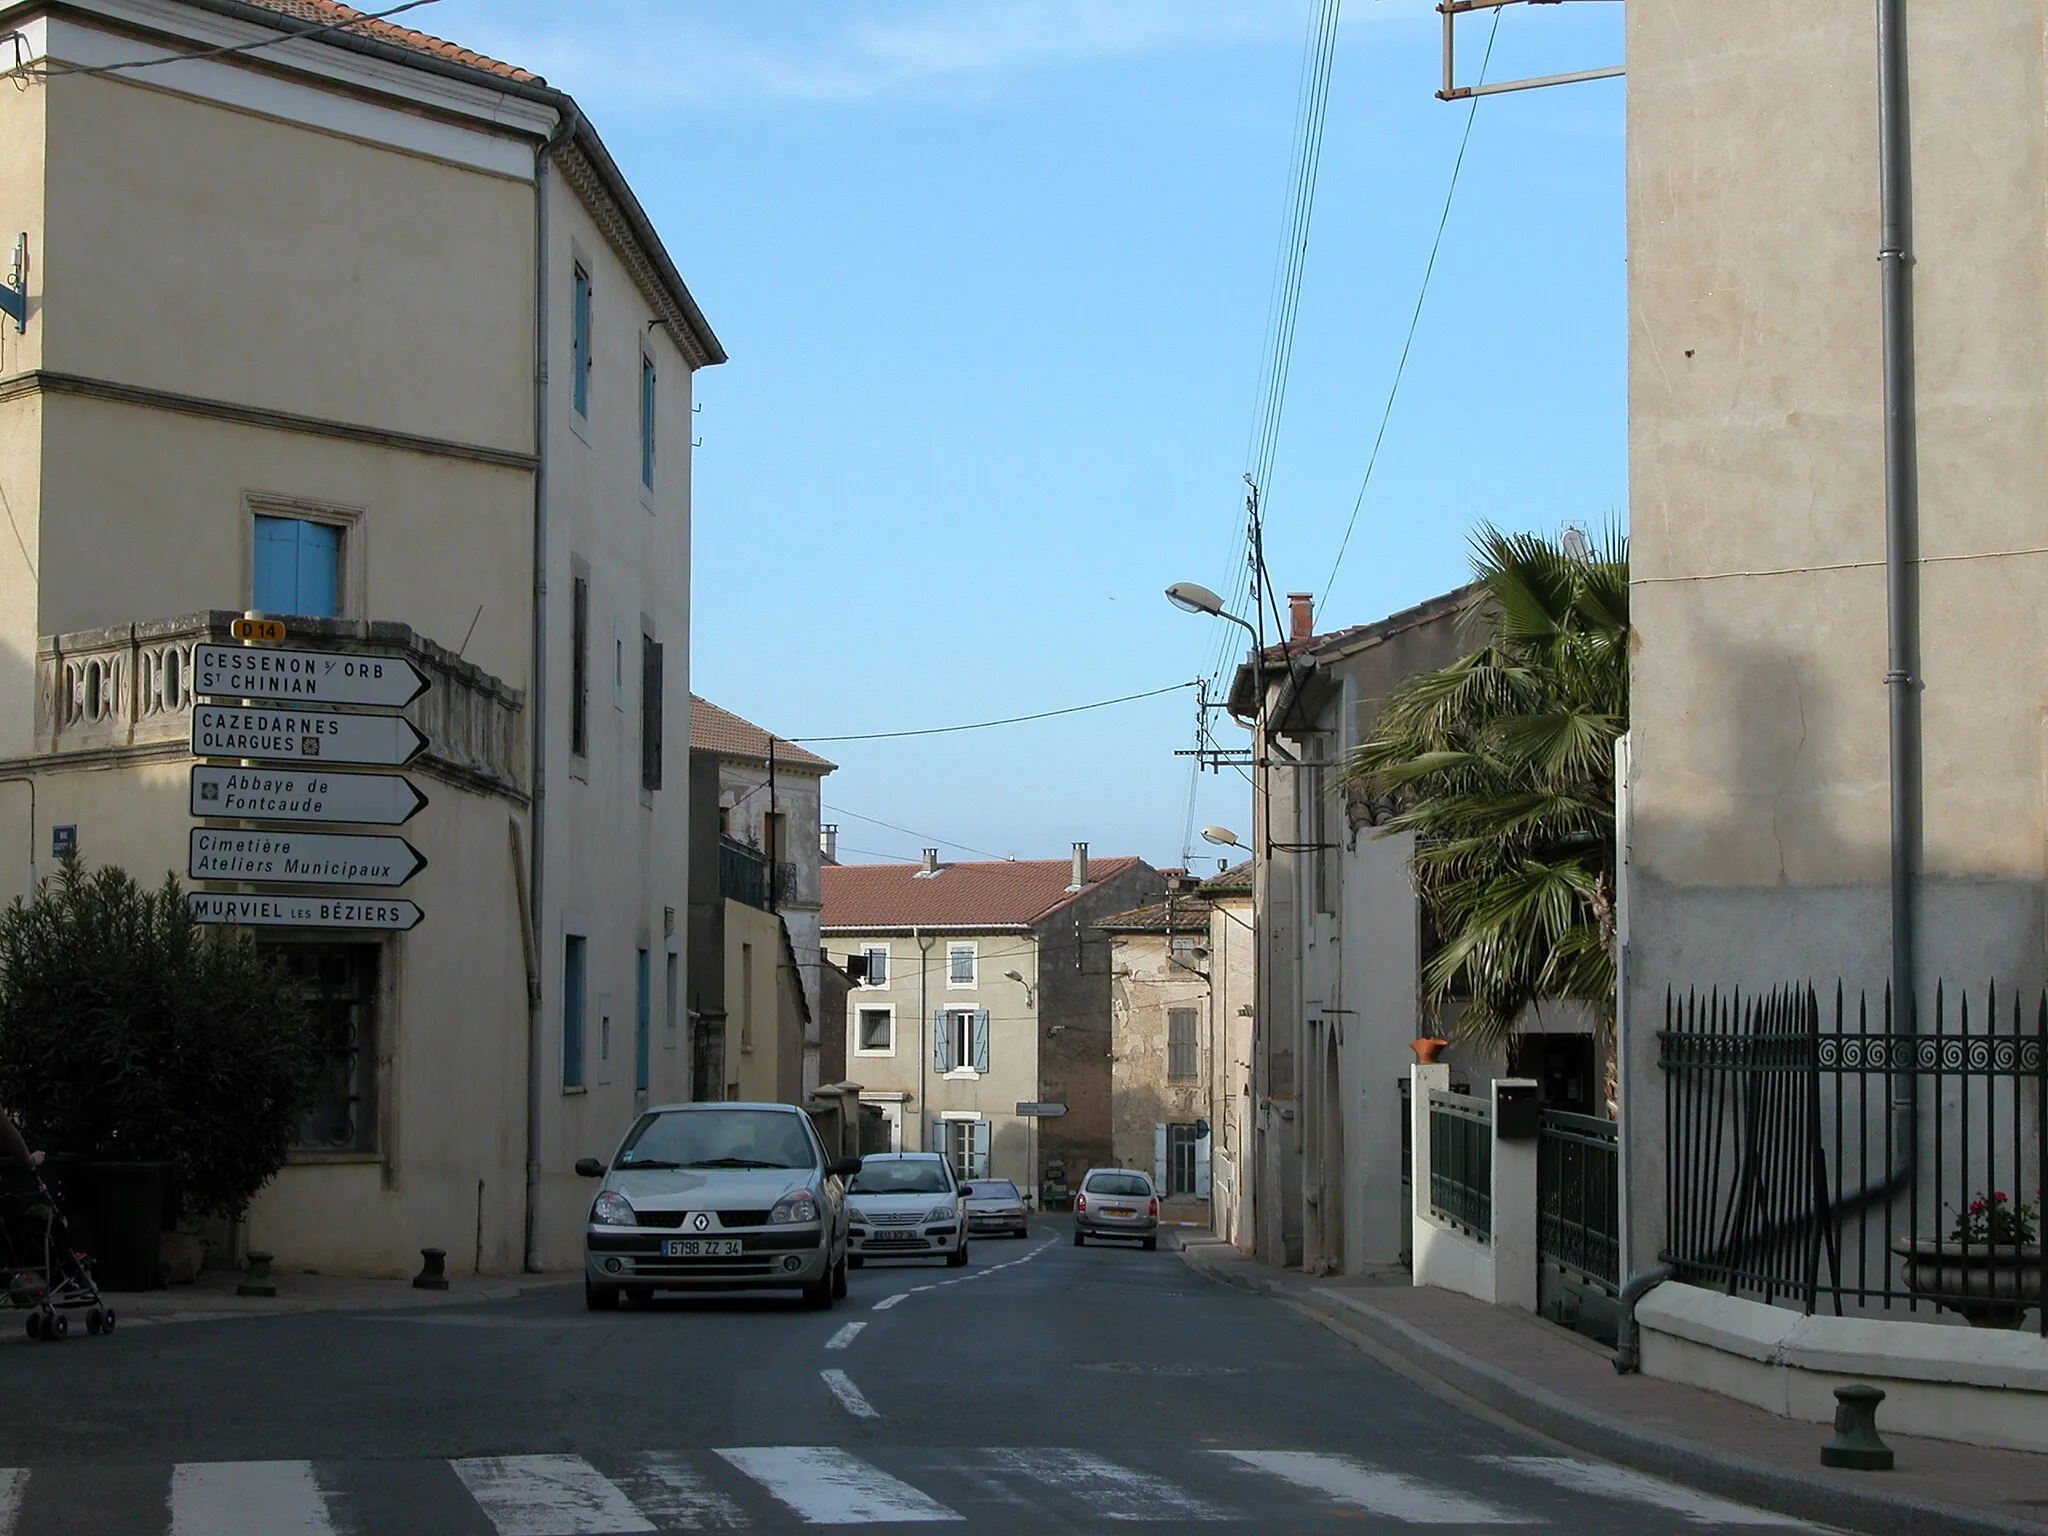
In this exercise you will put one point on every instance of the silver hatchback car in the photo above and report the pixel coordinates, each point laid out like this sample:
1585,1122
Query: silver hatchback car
906,1205
1116,1202
717,1197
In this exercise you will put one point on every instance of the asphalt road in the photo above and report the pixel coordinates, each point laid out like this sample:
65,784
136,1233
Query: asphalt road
1043,1388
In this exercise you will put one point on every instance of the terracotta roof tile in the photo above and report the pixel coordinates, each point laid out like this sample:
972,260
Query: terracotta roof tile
1234,881
1184,914
327,12
721,731
1003,894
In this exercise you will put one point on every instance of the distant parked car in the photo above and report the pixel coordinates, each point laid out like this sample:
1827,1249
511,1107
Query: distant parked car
994,1205
906,1205
1116,1202
717,1197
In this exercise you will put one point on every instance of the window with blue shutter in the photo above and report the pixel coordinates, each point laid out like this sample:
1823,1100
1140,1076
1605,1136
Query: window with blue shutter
977,1160
647,421
297,568
980,1037
942,1040
579,343
643,1021
572,1011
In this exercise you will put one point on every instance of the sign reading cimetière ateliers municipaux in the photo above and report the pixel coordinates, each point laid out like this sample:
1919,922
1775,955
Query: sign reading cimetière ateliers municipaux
303,858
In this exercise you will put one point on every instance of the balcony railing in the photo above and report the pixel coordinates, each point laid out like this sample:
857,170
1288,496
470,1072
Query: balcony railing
742,873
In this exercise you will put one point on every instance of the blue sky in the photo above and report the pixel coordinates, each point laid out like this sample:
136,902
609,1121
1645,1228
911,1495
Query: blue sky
994,276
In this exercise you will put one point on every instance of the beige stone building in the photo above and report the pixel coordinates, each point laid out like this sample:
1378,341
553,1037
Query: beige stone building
366,331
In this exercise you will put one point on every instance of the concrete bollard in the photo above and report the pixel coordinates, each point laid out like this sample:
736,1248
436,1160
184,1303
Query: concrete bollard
257,1282
1855,1443
433,1275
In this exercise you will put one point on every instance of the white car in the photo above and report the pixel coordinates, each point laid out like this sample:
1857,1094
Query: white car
905,1205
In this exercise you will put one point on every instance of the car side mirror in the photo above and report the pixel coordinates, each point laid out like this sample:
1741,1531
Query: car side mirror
846,1167
590,1167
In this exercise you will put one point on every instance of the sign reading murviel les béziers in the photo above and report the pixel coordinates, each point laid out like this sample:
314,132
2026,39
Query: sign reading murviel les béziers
365,914
305,677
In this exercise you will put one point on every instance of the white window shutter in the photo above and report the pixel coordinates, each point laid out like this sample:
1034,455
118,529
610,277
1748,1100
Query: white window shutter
1159,1158
1202,1167
981,1040
979,1163
939,1137
942,1040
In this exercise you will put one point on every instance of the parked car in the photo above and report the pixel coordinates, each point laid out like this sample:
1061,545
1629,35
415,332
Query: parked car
717,1197
1116,1202
906,1205
994,1205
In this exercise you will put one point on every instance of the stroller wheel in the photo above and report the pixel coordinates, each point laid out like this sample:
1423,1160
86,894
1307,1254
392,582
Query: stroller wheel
55,1329
106,1320
92,1321
35,1326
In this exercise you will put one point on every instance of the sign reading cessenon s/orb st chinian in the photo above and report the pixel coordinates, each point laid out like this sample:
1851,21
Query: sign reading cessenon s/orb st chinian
304,735
306,677
362,914
303,858
304,794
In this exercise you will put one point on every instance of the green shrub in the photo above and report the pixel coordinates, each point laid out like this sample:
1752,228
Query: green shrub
129,1031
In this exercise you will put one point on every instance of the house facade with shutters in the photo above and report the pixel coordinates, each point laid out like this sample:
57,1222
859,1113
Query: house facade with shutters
982,986
366,332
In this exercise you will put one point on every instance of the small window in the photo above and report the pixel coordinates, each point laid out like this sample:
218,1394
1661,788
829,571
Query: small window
579,343
672,966
875,1030
650,712
579,667
573,981
647,421
338,983
962,1040
878,965
297,567
964,1144
643,1020
1183,1054
960,965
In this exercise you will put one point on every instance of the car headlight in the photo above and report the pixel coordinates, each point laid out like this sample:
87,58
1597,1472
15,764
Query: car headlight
940,1213
610,1210
796,1207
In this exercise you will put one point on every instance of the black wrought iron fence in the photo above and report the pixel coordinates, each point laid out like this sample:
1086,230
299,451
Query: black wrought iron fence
1821,1155
1578,1206
743,873
1461,1161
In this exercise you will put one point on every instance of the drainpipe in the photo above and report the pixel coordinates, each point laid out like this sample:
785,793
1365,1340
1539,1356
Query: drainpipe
537,692
924,1049
1628,1347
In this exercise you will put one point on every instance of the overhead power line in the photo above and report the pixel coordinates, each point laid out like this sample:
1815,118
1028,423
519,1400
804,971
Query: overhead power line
983,725
293,35
928,837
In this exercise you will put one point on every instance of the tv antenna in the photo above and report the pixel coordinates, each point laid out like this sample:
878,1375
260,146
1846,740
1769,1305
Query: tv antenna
1451,10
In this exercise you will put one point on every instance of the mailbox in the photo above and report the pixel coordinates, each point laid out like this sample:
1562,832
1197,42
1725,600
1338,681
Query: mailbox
1515,1108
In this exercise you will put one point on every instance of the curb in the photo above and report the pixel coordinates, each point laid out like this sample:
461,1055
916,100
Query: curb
297,1306
1799,1494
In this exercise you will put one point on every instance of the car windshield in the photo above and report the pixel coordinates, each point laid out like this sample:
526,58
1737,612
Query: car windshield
992,1189
719,1138
1119,1184
923,1176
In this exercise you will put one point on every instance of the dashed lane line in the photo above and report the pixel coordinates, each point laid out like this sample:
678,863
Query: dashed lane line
845,1336
849,1395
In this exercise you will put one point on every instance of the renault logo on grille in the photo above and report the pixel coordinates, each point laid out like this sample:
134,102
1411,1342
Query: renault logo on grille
700,1221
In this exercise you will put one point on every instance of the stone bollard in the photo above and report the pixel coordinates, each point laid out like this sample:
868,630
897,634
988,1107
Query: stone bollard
433,1275
1855,1443
257,1282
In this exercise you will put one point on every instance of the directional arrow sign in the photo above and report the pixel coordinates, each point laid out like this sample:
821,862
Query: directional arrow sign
1034,1111
304,735
303,858
307,677
304,794
366,915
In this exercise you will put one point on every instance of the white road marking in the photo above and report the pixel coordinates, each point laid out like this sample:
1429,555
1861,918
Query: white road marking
674,1495
849,1395
889,1301
247,1498
845,1336
1111,1491
13,1484
828,1486
1616,1483
548,1496
1383,1493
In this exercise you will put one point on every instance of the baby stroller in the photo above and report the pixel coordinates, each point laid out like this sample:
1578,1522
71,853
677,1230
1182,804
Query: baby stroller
45,1276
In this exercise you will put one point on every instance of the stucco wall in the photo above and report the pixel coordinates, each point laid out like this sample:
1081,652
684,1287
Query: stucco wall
1148,981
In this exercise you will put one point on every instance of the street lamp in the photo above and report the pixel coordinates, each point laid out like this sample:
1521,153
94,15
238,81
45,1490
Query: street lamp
1222,837
1193,597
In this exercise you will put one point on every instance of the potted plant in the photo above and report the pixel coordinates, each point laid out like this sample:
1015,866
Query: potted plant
166,1059
1988,1269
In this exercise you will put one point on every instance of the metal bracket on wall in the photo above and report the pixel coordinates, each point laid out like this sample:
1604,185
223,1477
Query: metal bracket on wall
1451,10
14,294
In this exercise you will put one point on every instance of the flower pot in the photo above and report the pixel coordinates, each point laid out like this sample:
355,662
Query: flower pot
1427,1049
1992,1285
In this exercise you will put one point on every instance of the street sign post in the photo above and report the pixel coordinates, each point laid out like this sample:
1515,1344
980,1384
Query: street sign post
1033,1111
304,794
267,631
303,735
363,915
306,677
302,858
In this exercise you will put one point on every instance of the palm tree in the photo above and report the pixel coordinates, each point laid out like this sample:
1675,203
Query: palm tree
1502,764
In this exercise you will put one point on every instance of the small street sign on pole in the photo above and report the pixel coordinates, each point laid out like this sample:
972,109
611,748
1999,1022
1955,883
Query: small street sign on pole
304,735
304,794
302,858
363,914
1035,1111
268,631
306,677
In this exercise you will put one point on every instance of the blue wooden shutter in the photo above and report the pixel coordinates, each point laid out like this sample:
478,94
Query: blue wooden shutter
942,1040
1159,1158
978,1164
980,1040
939,1137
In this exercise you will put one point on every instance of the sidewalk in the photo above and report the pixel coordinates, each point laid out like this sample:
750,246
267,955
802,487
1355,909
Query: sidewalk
1564,1387
213,1296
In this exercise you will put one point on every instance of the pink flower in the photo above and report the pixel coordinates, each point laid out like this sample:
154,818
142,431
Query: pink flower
1976,1207
1998,1197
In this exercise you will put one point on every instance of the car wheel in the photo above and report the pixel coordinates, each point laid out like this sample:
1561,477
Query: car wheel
1079,1242
640,1295
600,1298
957,1259
839,1278
819,1297
855,1261
1021,1232
1151,1244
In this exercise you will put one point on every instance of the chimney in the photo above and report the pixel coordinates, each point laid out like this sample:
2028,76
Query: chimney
931,863
828,842
1080,867
1301,615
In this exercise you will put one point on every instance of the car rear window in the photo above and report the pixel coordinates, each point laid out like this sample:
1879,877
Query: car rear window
992,1189
1117,1184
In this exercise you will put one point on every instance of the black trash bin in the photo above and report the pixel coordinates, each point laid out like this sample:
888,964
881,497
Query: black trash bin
126,1204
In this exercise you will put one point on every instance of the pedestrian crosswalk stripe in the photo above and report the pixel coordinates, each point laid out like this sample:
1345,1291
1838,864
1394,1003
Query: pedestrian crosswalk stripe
247,1498
828,1486
1111,1491
674,1495
13,1484
1614,1483
1350,1481
548,1496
